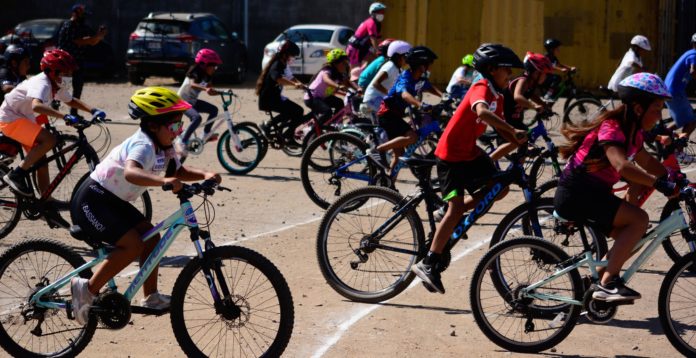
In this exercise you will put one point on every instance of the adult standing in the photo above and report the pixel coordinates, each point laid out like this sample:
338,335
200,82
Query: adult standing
682,72
74,36
367,36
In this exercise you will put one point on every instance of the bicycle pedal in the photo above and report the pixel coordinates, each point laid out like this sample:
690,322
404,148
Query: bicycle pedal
624,303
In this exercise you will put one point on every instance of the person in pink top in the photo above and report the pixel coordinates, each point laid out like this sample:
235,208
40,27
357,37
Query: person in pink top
363,44
600,154
331,79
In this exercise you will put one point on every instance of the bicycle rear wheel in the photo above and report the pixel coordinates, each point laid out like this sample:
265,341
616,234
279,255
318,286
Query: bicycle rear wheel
515,321
677,305
248,158
10,212
64,191
324,155
255,320
583,111
29,331
357,268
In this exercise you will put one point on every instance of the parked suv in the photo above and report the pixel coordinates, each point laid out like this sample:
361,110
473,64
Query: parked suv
165,44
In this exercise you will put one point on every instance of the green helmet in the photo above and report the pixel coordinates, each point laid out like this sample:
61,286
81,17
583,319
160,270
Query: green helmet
335,55
468,60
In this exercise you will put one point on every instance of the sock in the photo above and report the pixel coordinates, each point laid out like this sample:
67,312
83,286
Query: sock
18,171
431,259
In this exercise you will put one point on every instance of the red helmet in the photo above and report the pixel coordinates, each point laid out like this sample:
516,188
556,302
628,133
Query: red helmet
537,62
384,46
207,56
58,60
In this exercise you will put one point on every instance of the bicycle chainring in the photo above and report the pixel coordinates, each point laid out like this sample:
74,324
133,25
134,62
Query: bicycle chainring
599,312
195,146
113,310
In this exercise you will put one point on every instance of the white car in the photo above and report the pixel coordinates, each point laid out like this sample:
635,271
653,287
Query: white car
314,42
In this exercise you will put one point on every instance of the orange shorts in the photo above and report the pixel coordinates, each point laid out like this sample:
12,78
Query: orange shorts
22,130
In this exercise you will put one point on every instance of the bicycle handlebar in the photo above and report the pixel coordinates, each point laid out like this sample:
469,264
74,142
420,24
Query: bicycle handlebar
207,187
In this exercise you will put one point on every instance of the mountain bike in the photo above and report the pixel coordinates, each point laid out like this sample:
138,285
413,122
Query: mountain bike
526,293
336,161
226,300
69,168
366,253
567,88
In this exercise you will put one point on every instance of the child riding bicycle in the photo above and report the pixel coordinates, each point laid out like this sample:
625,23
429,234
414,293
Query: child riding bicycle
632,61
270,84
332,78
371,70
18,119
198,78
461,164
600,154
405,91
14,70
364,42
385,78
462,78
522,92
122,177
553,49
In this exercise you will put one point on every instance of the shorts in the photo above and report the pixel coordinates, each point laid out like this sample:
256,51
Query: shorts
101,214
471,175
580,198
24,131
395,126
355,55
681,111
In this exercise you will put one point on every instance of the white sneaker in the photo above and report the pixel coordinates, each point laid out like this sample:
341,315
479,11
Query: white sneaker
81,299
156,301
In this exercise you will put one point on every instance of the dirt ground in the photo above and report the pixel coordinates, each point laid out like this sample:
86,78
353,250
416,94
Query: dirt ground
269,212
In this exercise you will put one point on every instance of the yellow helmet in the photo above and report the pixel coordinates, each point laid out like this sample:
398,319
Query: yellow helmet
155,101
335,55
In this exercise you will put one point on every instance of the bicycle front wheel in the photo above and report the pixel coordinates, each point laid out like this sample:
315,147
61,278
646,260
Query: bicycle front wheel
677,305
31,331
583,111
255,320
512,319
679,243
369,270
318,169
243,161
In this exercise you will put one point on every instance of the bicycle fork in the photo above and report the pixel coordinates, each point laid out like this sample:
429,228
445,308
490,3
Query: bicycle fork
234,138
213,269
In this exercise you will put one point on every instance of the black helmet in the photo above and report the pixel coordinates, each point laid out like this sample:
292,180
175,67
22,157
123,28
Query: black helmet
550,44
495,55
420,55
15,52
289,47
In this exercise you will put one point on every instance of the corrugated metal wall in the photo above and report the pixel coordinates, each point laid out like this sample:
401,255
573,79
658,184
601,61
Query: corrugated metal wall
595,33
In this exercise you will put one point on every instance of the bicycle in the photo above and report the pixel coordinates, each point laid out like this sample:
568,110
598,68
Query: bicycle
348,165
69,170
240,148
354,246
249,298
540,295
568,89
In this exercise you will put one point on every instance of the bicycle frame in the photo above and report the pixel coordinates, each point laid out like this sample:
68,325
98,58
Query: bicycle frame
653,238
182,218
227,99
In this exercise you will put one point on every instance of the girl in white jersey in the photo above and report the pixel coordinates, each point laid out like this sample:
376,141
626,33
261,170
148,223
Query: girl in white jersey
122,177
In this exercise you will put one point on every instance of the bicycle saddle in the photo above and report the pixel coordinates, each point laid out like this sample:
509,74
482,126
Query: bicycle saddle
8,146
77,233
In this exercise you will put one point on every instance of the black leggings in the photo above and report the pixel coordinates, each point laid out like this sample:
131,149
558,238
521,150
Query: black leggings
324,108
290,113
195,116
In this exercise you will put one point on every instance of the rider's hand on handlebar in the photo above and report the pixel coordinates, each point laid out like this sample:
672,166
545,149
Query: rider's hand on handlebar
211,91
98,113
667,187
70,119
520,136
175,183
213,177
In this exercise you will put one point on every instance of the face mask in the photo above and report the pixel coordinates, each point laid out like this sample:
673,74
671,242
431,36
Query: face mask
65,82
379,17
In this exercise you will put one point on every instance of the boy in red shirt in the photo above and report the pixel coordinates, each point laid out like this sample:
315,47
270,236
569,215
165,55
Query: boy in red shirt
460,162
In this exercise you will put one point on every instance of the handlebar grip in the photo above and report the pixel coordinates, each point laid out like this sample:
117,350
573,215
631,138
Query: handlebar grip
167,187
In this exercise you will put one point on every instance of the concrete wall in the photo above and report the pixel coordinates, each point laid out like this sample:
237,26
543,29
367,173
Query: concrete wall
266,18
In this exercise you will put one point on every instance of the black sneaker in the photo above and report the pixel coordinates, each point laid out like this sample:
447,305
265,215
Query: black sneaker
18,183
378,158
430,276
614,291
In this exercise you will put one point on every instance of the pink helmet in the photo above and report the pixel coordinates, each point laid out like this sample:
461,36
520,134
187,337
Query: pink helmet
207,56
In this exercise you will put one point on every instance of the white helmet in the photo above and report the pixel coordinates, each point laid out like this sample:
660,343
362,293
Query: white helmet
377,6
693,38
642,42
398,47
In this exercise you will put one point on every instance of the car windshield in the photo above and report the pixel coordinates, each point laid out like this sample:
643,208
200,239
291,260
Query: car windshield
38,29
162,27
308,35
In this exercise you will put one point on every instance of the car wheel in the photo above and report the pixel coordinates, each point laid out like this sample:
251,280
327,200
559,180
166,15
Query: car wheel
136,78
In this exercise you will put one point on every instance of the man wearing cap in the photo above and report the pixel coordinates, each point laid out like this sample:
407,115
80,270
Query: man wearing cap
683,71
73,37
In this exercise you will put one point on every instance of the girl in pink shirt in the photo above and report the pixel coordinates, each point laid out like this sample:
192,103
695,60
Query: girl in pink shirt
363,44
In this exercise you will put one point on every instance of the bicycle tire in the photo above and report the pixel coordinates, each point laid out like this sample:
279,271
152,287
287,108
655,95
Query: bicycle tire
546,188
335,187
251,143
391,281
673,330
249,259
582,111
10,203
680,246
519,217
144,206
511,305
73,260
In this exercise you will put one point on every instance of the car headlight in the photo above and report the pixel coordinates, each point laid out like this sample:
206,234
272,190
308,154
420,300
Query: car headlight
318,53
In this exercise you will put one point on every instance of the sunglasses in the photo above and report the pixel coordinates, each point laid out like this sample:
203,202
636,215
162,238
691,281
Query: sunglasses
176,127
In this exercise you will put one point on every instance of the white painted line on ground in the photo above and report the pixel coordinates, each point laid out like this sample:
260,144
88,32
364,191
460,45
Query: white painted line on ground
354,317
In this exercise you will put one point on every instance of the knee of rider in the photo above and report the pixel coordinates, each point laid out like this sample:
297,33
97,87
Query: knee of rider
213,111
412,137
45,138
642,219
